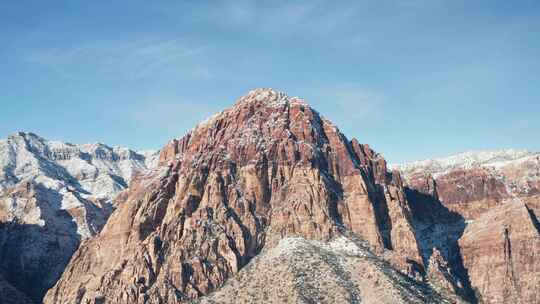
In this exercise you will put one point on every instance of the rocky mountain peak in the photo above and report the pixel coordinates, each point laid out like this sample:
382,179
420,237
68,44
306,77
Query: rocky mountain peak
266,168
266,189
257,122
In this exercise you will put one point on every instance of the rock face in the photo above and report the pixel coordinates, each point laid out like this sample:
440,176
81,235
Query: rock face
489,205
52,196
268,168
501,251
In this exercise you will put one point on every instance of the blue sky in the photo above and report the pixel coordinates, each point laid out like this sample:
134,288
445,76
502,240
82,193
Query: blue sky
414,79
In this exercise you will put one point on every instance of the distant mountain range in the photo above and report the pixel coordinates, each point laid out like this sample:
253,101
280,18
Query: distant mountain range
265,202
52,196
467,160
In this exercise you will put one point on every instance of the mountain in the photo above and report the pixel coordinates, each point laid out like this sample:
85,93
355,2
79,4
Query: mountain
268,179
265,202
495,197
53,195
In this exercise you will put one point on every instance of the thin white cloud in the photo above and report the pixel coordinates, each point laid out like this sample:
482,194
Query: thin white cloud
126,59
171,116
349,102
202,72
305,17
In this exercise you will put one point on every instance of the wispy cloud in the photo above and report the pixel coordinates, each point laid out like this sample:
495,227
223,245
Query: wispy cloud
349,101
127,59
174,116
202,72
282,18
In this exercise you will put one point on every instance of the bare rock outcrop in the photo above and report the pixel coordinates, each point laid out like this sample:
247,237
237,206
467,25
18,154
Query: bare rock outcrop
501,251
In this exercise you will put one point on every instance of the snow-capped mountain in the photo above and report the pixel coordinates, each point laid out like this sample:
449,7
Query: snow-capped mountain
99,170
52,196
467,160
517,170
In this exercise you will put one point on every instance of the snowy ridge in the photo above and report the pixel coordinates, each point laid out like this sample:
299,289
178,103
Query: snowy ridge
467,160
74,176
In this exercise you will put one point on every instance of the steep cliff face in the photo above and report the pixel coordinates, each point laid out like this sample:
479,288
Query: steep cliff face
265,169
489,206
501,251
53,195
